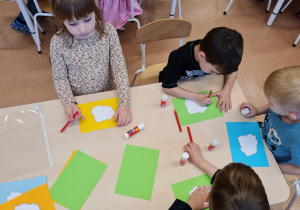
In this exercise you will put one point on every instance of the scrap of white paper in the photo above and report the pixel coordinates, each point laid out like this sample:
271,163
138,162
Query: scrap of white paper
13,195
193,107
248,144
102,113
25,206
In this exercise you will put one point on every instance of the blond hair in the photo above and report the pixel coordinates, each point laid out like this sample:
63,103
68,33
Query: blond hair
69,9
283,87
237,187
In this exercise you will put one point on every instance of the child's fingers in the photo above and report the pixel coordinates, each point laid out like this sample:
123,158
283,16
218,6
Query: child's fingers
204,191
116,116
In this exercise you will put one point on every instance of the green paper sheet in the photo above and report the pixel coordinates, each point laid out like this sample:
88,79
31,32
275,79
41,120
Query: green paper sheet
181,189
186,119
137,172
77,181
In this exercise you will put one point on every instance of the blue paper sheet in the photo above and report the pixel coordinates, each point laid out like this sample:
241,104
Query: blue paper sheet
20,186
237,129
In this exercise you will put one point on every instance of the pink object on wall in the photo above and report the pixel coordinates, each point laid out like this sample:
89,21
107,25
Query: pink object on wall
117,12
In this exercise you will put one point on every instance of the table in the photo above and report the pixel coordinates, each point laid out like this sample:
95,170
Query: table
275,12
161,132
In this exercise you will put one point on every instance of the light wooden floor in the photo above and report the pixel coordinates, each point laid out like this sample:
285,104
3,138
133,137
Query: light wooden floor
26,75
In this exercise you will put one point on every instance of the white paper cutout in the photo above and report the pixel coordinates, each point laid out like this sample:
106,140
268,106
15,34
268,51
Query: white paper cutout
102,113
248,144
193,190
13,195
26,206
193,107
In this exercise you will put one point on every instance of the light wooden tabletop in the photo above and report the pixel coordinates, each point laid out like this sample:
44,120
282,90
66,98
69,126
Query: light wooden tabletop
161,133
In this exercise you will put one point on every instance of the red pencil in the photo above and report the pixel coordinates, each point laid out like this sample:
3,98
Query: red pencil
190,135
66,125
178,123
210,92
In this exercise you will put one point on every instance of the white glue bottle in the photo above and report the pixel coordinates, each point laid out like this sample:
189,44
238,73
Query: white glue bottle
163,102
134,130
185,156
212,145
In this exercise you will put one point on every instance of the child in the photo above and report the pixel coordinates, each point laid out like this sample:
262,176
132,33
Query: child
281,126
82,53
219,52
230,189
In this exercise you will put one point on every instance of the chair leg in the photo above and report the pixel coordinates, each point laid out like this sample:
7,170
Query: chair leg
287,4
269,4
297,40
227,8
135,75
295,197
38,43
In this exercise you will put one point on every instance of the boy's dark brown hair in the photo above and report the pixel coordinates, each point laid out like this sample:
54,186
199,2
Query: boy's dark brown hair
69,9
223,48
237,187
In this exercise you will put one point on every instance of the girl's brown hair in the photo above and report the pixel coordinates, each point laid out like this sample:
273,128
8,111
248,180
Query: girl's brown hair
69,9
237,187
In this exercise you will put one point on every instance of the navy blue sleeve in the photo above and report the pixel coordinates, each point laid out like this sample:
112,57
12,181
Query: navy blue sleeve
180,205
173,71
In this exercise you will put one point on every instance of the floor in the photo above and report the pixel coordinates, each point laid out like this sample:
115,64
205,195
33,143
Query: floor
26,75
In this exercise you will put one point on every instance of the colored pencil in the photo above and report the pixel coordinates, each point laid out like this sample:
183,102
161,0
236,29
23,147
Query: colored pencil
190,135
66,125
210,92
178,123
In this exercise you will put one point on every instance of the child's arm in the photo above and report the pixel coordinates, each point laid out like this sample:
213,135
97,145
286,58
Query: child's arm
61,81
253,111
289,169
201,99
118,65
225,94
198,160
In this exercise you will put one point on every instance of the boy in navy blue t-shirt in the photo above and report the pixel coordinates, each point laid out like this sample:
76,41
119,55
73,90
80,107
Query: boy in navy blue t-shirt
219,52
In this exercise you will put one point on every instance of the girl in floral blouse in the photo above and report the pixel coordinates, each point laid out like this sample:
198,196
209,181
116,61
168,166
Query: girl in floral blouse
86,57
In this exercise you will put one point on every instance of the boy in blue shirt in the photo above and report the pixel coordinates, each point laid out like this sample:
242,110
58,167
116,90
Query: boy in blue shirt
281,126
219,52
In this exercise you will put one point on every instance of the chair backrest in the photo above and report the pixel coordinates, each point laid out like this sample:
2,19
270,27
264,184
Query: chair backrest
163,29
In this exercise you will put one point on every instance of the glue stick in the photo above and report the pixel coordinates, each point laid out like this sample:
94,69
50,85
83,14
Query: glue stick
212,145
184,158
134,130
163,102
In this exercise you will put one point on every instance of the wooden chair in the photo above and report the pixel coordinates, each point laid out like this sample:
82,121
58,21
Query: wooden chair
154,31
41,5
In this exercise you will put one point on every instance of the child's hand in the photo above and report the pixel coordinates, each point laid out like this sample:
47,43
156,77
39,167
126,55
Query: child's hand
224,100
70,110
198,197
123,115
195,153
252,110
203,100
